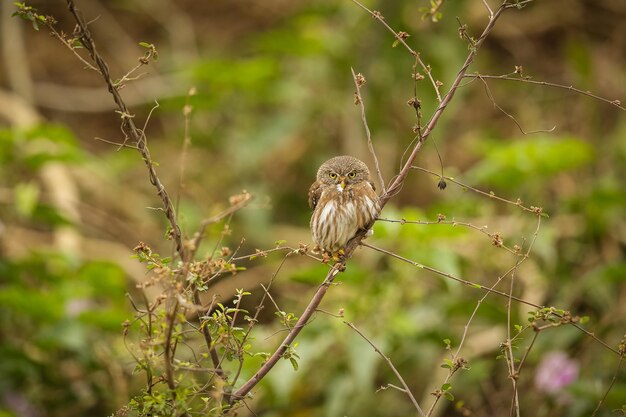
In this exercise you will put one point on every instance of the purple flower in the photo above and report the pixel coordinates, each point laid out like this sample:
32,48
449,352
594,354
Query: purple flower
555,371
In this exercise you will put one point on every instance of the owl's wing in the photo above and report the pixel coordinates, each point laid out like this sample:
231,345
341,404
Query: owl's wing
314,194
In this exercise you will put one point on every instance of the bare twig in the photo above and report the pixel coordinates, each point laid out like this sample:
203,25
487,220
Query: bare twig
187,109
400,38
399,179
206,333
167,350
359,100
510,116
616,103
240,201
405,389
495,237
518,202
448,275
488,8
606,393
513,373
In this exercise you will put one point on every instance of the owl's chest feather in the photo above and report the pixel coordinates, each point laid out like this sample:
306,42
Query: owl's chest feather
340,213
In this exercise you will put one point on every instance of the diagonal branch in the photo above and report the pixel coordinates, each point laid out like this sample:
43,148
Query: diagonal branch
302,321
405,389
356,240
129,127
397,182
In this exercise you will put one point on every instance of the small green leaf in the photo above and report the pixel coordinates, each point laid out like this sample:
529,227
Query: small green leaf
448,395
294,363
447,363
446,386
26,198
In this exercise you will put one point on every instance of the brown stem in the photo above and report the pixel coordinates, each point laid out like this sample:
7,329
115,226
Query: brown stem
206,332
129,127
302,321
397,182
356,240
167,350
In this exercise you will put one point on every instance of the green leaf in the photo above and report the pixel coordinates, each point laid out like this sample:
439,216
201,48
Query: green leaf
26,198
294,363
447,363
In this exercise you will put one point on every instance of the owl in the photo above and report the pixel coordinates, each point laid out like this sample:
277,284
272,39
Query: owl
344,200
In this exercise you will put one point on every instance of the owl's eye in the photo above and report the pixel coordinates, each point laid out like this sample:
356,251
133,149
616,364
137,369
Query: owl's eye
352,174
332,175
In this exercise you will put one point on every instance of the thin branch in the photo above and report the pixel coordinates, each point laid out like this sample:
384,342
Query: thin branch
254,319
606,393
240,201
513,373
518,202
450,276
187,109
359,100
398,35
510,116
496,238
206,333
406,389
302,321
488,8
482,287
397,182
129,127
526,79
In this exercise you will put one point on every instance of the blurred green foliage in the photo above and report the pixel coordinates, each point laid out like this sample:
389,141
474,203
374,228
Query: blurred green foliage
274,99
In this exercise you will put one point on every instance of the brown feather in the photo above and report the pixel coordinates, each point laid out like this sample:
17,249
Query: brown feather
339,213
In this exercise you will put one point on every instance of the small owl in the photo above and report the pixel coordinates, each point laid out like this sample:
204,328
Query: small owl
343,200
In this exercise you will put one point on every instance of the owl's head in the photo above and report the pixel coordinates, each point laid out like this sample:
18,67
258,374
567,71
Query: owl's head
343,171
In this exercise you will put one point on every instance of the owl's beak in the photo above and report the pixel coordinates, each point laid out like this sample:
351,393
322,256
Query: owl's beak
343,183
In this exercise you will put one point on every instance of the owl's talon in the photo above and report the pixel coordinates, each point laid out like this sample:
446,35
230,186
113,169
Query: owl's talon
339,256
325,257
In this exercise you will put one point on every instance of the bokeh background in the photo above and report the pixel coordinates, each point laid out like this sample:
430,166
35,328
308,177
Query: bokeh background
274,99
